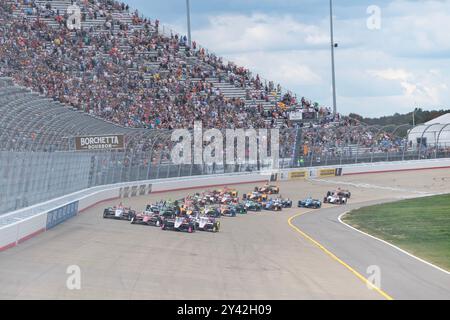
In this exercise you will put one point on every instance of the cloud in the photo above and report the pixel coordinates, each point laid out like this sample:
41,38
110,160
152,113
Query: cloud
391,74
259,32
426,87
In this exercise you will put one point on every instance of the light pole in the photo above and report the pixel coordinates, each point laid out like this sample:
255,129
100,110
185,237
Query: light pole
188,10
333,74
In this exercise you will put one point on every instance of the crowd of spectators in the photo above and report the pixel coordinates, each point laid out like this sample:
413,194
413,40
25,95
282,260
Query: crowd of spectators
125,71
105,73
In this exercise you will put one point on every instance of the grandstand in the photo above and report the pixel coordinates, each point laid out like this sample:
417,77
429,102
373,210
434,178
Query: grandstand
149,72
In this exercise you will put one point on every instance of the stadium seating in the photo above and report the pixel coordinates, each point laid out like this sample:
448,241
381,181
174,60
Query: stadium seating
178,83
129,71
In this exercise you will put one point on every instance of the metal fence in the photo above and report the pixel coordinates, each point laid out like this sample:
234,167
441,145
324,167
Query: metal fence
29,176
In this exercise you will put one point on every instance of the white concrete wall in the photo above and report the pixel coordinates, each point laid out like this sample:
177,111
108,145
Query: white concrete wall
8,237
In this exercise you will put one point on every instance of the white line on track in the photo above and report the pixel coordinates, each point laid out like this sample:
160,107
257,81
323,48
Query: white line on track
370,186
390,244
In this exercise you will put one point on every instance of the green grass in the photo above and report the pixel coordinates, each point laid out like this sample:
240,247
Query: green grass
419,226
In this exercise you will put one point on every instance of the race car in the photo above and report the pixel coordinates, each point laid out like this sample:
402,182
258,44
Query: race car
268,189
199,200
310,203
231,192
210,198
239,208
286,203
119,213
147,218
256,196
253,205
340,192
212,212
335,198
227,211
152,208
273,205
171,221
227,199
205,223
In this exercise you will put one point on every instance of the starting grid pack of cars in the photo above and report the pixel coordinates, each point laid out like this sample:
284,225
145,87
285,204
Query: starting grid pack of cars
202,212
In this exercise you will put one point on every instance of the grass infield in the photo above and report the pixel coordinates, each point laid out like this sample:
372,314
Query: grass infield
420,226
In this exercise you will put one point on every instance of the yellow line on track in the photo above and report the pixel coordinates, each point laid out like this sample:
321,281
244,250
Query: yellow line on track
328,252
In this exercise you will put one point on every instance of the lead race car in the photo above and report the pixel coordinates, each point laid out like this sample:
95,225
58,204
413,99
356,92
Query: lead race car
340,192
310,203
119,213
335,198
268,189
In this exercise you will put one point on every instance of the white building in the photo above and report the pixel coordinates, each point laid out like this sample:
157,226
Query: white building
432,133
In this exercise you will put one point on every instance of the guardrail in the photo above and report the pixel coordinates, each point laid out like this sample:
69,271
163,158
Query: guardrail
21,225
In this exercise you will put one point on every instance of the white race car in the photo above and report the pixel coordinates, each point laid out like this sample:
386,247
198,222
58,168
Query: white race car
119,213
335,198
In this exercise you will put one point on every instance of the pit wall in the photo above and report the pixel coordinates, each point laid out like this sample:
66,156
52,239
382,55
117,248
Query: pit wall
19,226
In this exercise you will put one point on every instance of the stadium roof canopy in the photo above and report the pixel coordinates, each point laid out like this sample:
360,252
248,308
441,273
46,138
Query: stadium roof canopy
431,133
444,119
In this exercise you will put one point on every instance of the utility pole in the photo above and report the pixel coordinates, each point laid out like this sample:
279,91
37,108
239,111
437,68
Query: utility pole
333,74
188,10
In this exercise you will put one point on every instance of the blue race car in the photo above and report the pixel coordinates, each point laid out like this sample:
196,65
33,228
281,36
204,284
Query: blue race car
310,203
273,205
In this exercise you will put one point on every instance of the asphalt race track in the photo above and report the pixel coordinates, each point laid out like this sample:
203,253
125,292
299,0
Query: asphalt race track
402,276
255,256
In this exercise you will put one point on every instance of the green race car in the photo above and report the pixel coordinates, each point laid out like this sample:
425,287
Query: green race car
252,206
239,208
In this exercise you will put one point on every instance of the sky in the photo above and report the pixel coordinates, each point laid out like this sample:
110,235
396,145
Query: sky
392,55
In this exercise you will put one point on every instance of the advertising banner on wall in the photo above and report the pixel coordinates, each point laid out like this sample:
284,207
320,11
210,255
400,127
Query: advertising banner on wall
106,142
134,191
334,172
62,214
294,175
